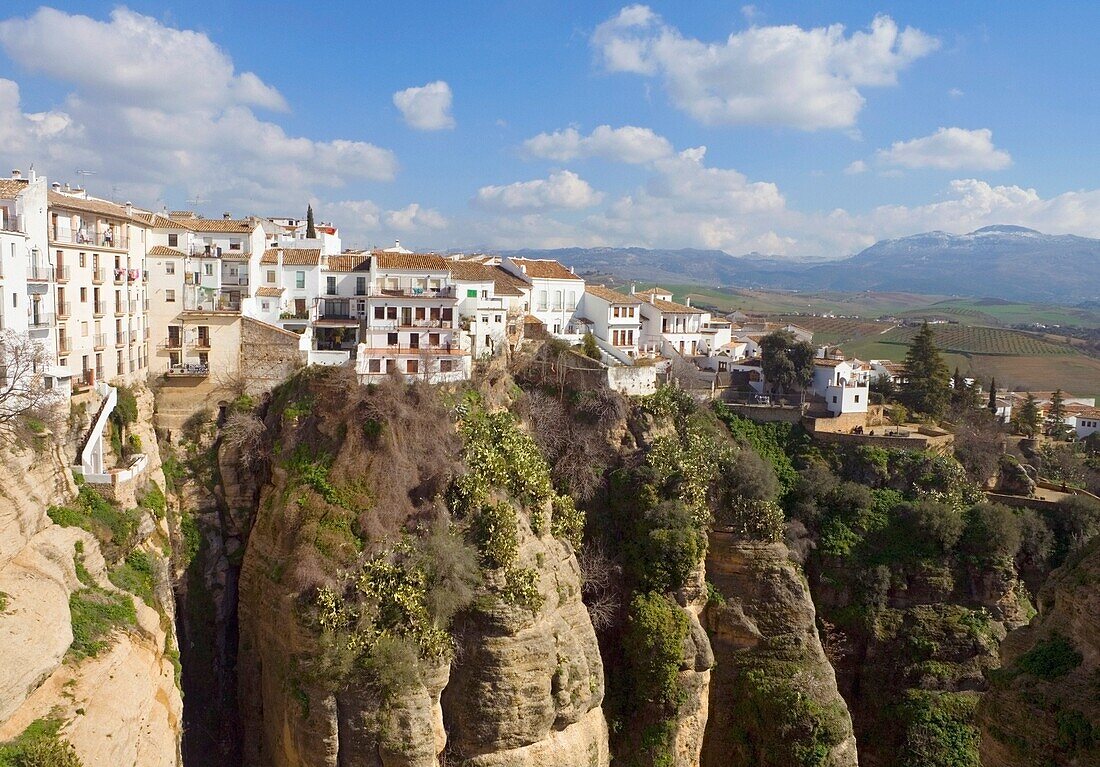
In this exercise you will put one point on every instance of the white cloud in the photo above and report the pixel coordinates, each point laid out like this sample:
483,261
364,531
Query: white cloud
427,107
628,144
162,114
133,59
750,12
856,167
947,149
955,93
562,189
778,75
414,217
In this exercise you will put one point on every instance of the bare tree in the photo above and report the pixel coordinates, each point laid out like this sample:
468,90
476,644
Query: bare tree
24,398
245,434
600,580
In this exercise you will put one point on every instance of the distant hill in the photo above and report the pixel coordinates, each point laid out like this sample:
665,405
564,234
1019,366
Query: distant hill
1007,262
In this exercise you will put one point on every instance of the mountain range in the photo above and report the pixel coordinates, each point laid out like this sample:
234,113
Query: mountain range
1006,262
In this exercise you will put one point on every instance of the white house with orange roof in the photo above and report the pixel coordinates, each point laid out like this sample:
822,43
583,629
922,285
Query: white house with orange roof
490,303
671,328
411,328
556,294
616,320
844,384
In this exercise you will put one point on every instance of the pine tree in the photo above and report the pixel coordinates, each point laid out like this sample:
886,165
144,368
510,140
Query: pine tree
1056,415
927,388
311,229
1028,418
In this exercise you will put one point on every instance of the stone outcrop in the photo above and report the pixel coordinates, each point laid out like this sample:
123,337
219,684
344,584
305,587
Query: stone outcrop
526,687
773,694
1043,706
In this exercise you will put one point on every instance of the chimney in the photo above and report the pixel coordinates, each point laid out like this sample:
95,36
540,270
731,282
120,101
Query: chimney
572,270
397,244
687,300
67,187
16,173
227,215
653,298
56,185
129,209
633,287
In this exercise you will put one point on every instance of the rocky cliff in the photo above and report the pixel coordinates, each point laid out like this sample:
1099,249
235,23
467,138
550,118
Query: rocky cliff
773,696
86,623
1043,706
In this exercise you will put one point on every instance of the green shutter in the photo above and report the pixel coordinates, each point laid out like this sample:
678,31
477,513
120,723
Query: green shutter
471,293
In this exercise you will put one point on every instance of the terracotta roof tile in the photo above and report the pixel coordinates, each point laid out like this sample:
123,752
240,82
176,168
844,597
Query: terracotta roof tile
611,296
161,250
10,187
270,256
226,225
670,307
421,262
506,283
269,292
99,207
301,256
544,269
349,262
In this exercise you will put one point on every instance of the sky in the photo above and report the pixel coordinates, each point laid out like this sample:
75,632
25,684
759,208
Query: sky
803,130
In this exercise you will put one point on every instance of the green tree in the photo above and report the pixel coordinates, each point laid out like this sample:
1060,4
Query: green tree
993,396
927,386
311,229
1027,417
1056,415
591,348
787,362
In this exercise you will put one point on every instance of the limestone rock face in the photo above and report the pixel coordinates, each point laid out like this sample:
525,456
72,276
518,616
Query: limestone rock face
526,687
119,708
1043,705
772,691
695,674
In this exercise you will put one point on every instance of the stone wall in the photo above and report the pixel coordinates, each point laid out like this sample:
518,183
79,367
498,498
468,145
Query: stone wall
767,413
269,355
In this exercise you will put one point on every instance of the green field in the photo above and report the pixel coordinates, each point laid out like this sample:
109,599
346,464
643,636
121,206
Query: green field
992,311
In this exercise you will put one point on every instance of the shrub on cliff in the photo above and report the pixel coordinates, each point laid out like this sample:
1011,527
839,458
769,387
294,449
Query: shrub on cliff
654,644
40,745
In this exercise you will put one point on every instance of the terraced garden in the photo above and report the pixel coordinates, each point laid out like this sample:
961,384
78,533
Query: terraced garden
976,339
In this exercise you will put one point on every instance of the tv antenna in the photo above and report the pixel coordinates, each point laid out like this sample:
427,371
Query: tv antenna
196,200
84,174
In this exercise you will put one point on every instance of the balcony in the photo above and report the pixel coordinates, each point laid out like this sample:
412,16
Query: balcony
10,223
104,239
99,274
188,371
99,309
194,304
40,273
121,339
40,320
146,334
302,315
64,346
398,324
171,343
99,342
63,309
61,273
444,292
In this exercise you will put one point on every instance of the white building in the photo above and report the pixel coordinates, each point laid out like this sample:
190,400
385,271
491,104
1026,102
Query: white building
843,384
556,294
670,328
411,327
616,320
1085,423
490,304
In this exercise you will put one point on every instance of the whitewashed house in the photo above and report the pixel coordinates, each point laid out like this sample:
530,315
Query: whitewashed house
1085,423
843,384
411,328
490,303
616,321
670,328
556,294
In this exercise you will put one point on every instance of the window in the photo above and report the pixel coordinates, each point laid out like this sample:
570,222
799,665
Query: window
445,366
169,267
173,240
834,399
331,289
412,366
374,366
360,286
571,300
471,293
83,260
380,312
271,276
497,319
170,296
391,339
84,295
857,398
433,339
540,301
208,270
300,280
235,245
265,305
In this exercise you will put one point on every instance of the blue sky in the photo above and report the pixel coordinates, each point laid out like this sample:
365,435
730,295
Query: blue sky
826,126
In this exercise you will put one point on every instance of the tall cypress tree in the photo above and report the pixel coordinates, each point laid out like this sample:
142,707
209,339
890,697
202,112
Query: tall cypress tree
993,396
311,230
1056,415
927,388
1028,418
